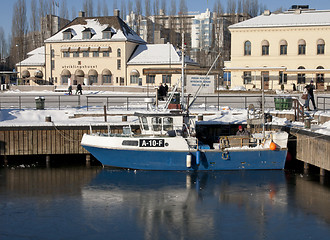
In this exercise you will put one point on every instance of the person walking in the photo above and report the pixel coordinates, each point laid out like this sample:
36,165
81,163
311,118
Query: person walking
70,90
306,98
311,94
79,89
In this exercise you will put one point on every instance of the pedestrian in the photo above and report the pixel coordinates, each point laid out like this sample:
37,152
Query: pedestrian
161,92
305,97
241,131
166,89
311,94
70,90
79,89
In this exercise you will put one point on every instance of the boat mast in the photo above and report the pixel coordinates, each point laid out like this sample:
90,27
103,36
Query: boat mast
182,72
263,104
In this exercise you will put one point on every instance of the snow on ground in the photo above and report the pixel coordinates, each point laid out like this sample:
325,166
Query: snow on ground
31,117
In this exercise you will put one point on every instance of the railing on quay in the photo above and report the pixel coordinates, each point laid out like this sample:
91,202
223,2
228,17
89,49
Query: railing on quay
127,102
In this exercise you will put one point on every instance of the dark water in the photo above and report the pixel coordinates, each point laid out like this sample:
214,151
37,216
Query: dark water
95,203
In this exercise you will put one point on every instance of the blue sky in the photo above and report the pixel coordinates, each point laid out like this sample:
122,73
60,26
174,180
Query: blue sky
6,9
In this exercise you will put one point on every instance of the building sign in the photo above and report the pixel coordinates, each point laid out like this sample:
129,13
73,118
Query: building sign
78,66
194,81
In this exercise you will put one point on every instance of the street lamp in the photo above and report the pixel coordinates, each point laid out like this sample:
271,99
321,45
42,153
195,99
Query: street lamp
20,67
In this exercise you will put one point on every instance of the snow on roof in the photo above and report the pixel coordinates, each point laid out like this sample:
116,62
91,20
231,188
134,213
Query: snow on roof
287,19
36,58
157,54
122,32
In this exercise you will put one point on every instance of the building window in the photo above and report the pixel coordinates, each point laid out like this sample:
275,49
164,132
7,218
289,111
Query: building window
265,48
166,79
66,54
283,47
67,36
75,54
106,54
106,78
65,79
301,76
134,79
118,64
86,35
106,35
247,48
151,79
96,54
52,53
301,47
92,80
247,77
283,78
320,76
53,64
320,46
118,52
85,54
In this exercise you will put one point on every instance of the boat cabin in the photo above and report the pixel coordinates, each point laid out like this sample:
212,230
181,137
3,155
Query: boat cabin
165,124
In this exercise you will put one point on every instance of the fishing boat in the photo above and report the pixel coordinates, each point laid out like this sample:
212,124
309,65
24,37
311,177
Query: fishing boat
167,140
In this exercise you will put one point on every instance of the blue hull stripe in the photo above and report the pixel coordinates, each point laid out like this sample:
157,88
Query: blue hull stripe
209,160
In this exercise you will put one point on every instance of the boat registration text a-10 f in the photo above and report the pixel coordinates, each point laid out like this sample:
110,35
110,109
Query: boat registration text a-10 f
152,143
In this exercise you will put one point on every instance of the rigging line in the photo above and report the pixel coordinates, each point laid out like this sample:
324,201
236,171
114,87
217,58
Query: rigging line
60,132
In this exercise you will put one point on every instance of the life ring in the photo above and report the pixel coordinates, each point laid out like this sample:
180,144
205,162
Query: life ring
225,155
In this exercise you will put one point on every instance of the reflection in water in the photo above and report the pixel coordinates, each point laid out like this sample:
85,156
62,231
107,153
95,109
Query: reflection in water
91,203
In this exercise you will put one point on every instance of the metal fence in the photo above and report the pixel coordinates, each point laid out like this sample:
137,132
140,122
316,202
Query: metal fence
129,102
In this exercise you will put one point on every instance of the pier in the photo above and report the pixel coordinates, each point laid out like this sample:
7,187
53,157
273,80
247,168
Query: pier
49,141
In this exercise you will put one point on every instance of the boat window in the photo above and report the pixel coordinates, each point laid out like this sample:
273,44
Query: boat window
144,123
130,143
167,123
157,123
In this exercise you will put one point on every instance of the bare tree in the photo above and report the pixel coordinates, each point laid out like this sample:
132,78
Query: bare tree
164,6
130,6
34,24
98,10
73,12
147,8
114,5
19,31
3,45
123,9
231,6
105,9
239,6
138,13
156,7
88,8
64,13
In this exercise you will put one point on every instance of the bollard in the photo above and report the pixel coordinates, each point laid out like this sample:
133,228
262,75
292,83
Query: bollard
48,118
124,118
307,123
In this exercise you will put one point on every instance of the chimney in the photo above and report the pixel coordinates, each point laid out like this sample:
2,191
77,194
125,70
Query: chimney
81,14
116,13
267,13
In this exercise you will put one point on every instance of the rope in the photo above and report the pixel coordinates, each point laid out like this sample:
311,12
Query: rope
66,138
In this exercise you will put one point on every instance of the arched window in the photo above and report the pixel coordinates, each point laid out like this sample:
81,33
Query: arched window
65,75
106,76
265,47
320,46
92,76
319,76
247,48
301,76
283,47
301,47
118,52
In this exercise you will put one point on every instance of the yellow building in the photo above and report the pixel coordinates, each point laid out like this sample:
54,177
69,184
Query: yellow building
289,48
102,51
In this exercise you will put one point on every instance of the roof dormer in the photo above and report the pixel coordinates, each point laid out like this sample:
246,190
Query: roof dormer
88,33
108,33
67,34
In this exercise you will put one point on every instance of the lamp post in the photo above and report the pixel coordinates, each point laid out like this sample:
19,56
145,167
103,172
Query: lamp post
20,67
